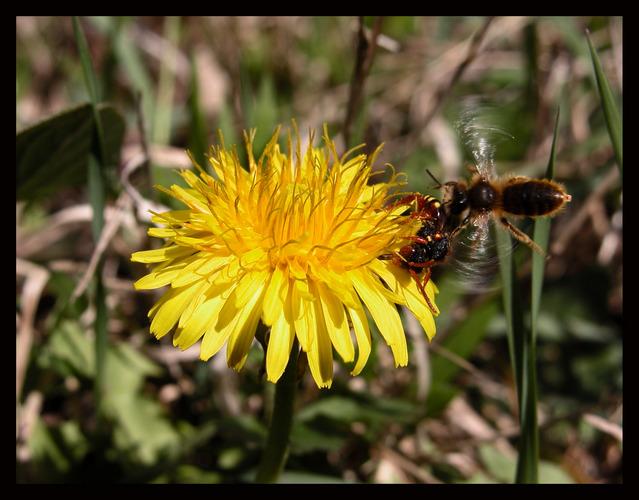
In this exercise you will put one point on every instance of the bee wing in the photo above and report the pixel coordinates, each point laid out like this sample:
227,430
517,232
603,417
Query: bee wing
474,259
479,129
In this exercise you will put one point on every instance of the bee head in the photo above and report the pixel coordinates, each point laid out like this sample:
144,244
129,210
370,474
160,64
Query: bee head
457,200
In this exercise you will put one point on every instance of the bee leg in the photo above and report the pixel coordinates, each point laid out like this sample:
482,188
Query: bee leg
521,236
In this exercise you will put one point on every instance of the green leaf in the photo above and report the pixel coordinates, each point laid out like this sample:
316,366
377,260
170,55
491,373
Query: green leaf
551,473
54,153
56,449
496,462
69,351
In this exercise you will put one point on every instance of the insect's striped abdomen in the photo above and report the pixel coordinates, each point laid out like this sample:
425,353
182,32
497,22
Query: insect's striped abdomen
532,197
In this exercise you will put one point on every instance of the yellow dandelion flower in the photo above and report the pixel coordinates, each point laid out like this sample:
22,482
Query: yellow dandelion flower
293,242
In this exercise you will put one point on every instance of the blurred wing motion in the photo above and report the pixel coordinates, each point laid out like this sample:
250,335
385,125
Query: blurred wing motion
471,205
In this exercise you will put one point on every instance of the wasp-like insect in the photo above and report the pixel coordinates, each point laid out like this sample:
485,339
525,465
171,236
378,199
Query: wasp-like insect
429,246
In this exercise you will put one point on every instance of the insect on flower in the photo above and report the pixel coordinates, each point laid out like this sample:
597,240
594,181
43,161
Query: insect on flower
429,246
288,243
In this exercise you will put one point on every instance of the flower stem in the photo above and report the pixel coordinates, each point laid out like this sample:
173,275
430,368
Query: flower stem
276,449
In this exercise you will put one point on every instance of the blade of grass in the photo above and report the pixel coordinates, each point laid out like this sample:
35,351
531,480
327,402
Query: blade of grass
527,467
90,80
96,182
541,235
97,194
364,56
162,116
523,362
512,307
131,63
97,158
609,106
197,133
523,343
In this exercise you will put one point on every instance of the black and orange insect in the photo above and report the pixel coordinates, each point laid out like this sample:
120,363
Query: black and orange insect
499,197
429,246
488,196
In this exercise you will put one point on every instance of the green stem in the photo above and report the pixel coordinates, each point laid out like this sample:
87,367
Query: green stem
276,449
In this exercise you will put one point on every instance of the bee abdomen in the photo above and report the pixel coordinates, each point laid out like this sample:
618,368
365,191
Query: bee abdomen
533,198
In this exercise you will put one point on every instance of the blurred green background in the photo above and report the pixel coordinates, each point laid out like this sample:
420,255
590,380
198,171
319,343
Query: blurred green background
169,84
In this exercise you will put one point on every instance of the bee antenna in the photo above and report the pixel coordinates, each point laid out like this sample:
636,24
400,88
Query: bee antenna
439,184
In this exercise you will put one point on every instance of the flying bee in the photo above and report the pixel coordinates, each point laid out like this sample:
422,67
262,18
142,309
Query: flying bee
429,246
496,198
488,196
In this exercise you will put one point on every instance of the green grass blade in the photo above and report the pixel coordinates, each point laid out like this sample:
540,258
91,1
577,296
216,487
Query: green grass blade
163,111
609,106
512,306
523,362
541,234
528,460
197,136
131,62
92,86
528,446
97,196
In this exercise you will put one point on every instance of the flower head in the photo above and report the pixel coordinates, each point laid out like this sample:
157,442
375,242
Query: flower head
291,241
